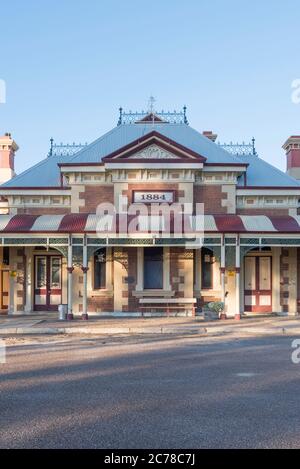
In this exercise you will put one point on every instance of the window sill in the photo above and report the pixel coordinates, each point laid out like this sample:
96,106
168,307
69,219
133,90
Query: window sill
208,292
101,293
160,292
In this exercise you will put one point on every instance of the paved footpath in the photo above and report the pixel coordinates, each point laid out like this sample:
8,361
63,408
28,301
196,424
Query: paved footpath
47,324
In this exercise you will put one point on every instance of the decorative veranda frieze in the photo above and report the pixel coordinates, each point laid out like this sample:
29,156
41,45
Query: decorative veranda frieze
77,242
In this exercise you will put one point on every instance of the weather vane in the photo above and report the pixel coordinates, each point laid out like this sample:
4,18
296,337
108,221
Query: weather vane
151,104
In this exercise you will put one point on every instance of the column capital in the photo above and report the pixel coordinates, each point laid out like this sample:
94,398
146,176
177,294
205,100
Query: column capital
70,270
84,269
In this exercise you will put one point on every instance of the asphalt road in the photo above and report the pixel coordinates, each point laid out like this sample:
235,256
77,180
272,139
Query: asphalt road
153,392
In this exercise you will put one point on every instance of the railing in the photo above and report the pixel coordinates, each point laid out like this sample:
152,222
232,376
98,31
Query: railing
65,149
240,149
173,117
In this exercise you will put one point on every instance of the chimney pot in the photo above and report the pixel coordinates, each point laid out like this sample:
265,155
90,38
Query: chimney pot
209,134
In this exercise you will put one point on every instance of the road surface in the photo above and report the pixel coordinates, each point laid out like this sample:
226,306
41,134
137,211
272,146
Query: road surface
149,392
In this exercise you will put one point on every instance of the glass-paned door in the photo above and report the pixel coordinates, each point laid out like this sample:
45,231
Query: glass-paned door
48,289
258,284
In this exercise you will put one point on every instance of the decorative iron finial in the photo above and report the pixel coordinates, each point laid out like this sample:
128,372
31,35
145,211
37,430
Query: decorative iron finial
253,146
120,115
51,146
184,115
151,105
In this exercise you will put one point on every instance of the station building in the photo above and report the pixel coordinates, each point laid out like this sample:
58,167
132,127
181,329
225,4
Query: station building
53,252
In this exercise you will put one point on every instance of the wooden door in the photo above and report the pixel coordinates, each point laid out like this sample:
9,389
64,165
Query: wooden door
47,288
258,284
4,289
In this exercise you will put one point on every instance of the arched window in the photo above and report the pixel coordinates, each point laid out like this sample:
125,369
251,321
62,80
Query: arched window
206,268
100,269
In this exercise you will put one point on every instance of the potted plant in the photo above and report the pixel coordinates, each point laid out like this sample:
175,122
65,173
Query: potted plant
218,307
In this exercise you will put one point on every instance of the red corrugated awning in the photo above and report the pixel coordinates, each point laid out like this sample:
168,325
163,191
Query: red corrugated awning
92,223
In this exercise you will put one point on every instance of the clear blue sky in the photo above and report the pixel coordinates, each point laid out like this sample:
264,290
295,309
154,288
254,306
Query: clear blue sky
70,64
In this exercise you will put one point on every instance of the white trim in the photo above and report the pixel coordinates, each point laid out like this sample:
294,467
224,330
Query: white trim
264,191
82,169
222,169
144,165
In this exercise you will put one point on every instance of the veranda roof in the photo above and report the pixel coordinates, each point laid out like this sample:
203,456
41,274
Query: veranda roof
92,223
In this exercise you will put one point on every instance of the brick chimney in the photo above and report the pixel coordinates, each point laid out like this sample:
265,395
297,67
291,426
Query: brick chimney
209,134
8,147
292,149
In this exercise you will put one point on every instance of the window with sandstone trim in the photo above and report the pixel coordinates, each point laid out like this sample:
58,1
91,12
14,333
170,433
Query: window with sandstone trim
100,269
153,268
206,268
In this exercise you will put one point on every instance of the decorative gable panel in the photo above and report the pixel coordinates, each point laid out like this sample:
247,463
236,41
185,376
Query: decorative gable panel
153,152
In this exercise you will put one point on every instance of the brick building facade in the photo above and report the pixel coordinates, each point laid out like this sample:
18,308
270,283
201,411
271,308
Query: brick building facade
61,245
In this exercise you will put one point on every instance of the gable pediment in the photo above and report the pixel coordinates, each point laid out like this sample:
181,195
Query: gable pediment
155,152
154,147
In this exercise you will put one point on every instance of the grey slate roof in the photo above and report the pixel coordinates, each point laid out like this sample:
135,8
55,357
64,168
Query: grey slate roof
46,173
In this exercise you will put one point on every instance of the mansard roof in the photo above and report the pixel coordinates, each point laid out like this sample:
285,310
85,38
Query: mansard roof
47,173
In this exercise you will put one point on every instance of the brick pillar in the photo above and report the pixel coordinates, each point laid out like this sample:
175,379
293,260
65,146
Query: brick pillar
237,279
284,280
84,269
70,269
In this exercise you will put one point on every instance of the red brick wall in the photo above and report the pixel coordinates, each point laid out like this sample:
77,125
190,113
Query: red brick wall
44,211
211,196
95,195
99,303
261,211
